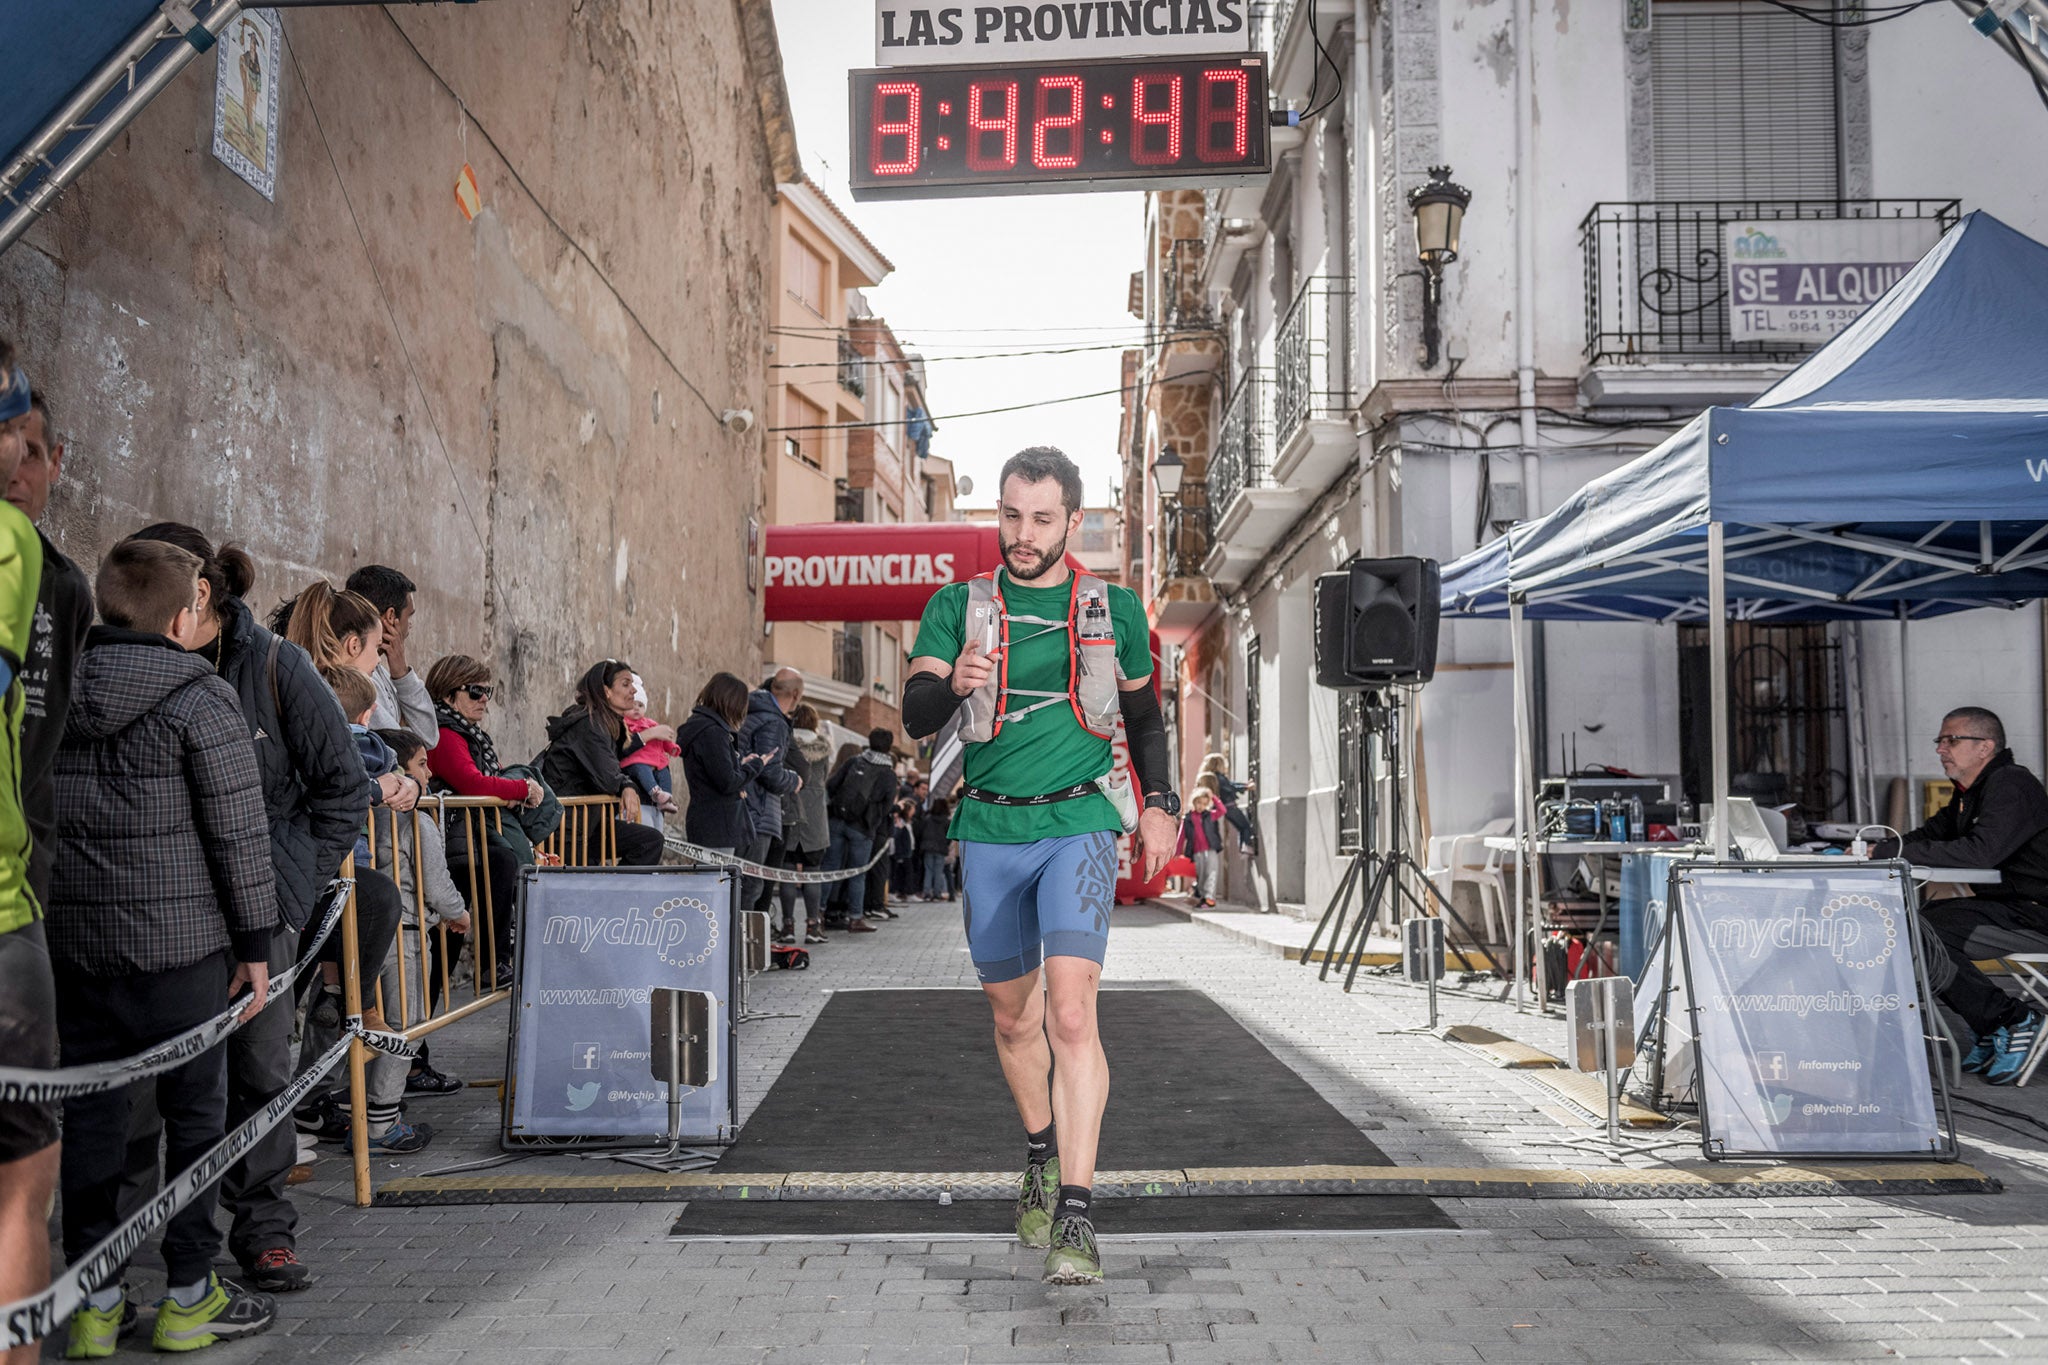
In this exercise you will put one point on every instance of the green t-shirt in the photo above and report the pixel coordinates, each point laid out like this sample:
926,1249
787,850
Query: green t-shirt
21,574
1046,750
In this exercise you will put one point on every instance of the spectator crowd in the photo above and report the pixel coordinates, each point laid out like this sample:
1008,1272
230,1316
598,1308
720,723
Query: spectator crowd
189,780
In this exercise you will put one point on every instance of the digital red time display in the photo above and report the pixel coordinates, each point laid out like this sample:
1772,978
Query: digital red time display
952,130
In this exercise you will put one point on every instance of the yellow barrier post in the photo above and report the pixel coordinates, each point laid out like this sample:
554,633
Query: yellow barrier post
352,1003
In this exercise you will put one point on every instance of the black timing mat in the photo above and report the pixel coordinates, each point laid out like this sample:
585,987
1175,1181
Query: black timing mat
907,1080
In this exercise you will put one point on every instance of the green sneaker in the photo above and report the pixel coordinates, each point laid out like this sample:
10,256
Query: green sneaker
95,1335
1073,1258
227,1312
1035,1195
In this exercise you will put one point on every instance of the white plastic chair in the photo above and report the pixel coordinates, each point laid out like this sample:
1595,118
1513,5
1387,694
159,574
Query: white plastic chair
2030,974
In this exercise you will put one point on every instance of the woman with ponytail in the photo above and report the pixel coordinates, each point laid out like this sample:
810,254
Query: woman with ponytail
338,629
317,796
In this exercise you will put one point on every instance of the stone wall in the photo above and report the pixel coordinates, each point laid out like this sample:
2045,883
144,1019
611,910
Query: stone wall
521,411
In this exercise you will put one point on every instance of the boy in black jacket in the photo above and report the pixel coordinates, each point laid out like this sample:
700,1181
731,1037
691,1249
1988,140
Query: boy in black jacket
162,881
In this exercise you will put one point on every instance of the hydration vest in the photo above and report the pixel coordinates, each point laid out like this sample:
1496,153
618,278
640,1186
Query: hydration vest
1092,675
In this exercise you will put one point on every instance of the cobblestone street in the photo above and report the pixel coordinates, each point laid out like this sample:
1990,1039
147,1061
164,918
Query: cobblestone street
1953,1277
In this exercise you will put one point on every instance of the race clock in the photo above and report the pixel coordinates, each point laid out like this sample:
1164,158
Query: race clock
961,130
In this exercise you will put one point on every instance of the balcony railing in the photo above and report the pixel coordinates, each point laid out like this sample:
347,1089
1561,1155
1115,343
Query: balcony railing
849,658
1657,286
1312,361
1184,528
853,370
1244,445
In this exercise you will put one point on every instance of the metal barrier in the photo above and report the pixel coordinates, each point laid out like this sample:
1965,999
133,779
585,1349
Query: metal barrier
587,836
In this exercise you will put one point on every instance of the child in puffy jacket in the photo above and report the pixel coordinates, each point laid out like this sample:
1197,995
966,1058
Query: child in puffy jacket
1201,838
647,767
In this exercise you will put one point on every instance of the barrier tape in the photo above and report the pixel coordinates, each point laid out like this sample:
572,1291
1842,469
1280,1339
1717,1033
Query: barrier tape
698,854
28,1320
30,1085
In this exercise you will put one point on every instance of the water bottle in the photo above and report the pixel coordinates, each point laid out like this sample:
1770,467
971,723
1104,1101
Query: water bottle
1617,824
1637,833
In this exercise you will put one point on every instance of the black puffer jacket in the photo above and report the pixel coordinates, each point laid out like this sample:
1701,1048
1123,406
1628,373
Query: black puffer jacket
163,847
313,781
717,817
581,758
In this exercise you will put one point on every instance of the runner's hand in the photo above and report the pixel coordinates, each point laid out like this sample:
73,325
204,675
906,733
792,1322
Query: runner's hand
1157,832
971,670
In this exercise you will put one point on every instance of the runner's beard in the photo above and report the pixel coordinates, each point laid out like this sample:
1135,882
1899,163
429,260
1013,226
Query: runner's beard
1045,562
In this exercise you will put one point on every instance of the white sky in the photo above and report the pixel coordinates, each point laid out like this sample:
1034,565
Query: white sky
1006,265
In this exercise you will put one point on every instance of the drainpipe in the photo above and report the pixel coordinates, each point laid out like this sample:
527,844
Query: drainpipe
1525,252
1363,283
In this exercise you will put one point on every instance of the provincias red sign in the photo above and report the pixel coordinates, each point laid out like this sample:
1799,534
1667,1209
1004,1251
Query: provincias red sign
854,571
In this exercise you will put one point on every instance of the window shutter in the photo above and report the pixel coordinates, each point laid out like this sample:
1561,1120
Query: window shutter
1744,102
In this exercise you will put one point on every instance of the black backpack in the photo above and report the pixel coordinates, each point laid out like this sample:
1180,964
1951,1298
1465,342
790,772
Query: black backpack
857,789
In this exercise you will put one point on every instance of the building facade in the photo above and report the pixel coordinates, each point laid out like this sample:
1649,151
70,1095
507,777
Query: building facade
1586,316
853,443
516,392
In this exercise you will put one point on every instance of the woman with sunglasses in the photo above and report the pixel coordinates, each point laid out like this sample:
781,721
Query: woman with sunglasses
585,746
465,762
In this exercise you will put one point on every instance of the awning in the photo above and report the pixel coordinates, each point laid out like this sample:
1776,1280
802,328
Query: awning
77,73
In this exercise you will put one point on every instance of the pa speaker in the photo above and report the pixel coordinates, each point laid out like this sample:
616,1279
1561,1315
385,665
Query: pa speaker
1376,623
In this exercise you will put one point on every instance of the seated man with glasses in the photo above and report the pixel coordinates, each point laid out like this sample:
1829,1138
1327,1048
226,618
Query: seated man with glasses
1998,818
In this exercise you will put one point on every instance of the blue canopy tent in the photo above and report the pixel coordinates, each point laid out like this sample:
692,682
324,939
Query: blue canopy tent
80,71
1900,472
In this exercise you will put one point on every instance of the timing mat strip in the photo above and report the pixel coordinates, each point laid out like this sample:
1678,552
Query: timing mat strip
1443,1182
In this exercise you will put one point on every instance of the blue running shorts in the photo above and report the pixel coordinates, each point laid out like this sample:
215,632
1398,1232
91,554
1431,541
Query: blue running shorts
1024,902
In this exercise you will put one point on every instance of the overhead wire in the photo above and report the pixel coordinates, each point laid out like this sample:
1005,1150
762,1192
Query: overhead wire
960,416
1885,13
998,355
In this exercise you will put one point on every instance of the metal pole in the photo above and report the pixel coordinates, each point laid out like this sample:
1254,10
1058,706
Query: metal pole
1522,841
1717,657
1905,714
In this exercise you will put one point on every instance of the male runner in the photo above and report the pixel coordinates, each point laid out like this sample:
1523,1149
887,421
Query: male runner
1040,877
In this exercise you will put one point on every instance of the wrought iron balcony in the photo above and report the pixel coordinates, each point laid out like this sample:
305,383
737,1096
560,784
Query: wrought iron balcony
849,663
1312,360
1184,529
1657,286
1244,445
853,370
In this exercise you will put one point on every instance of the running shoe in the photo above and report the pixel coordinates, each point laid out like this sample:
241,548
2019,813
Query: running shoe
816,938
2005,1068
427,1081
1990,1046
401,1139
228,1312
1035,1195
96,1334
1073,1258
278,1271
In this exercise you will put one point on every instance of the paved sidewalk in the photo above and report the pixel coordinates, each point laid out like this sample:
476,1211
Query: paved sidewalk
1957,1277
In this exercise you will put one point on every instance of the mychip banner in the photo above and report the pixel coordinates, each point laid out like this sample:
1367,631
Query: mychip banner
594,945
1805,987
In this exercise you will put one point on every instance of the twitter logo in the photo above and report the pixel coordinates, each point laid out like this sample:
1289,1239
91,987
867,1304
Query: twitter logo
581,1097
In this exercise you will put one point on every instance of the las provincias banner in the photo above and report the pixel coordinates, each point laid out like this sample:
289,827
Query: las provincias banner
859,571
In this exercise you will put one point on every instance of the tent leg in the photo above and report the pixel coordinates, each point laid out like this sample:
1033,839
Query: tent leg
1717,657
1522,785
1906,712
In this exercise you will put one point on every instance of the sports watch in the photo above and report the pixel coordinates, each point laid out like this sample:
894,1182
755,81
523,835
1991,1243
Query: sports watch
1166,801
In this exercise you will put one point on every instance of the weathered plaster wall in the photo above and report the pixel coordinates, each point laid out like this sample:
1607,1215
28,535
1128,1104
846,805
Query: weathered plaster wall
356,373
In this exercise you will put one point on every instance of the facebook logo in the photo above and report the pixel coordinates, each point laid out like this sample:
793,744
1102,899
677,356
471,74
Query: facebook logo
583,1056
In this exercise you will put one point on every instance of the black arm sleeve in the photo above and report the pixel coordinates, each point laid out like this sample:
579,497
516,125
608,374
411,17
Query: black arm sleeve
929,701
1145,728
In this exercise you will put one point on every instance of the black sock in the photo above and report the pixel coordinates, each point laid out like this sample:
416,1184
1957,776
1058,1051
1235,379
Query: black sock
1073,1201
1041,1146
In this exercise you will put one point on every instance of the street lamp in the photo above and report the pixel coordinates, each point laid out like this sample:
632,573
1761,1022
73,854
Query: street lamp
1166,472
1439,209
